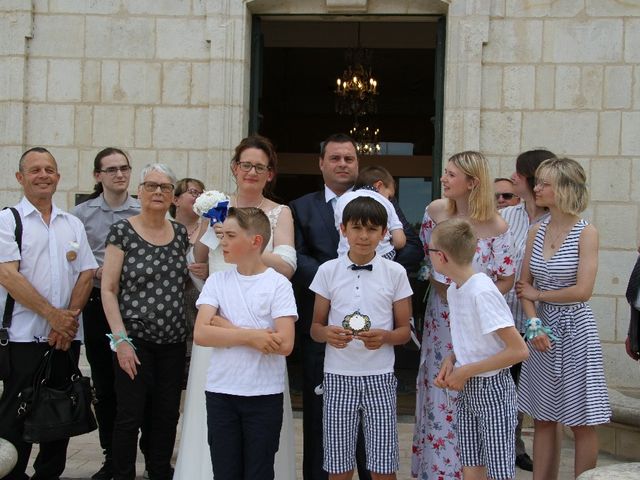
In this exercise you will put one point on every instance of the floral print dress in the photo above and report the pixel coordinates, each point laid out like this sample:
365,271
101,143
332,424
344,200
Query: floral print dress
435,449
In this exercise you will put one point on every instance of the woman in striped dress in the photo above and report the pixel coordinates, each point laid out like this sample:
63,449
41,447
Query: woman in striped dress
563,380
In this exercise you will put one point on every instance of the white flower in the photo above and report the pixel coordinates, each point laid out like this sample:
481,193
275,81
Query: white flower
208,200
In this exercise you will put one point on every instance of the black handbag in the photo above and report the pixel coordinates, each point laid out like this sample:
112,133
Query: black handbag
5,355
54,412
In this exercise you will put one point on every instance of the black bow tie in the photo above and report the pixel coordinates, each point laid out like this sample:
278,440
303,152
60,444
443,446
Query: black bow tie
361,267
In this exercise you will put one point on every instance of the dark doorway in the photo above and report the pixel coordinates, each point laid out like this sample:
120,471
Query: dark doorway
295,64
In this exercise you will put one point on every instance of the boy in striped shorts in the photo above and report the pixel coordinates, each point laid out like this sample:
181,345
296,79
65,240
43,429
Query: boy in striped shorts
362,309
485,344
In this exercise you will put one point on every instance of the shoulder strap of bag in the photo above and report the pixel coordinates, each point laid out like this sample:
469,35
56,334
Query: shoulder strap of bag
8,306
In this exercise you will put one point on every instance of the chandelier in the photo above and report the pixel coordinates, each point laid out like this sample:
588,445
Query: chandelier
356,89
366,139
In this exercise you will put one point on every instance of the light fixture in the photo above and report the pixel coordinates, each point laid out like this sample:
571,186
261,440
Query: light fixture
366,139
356,89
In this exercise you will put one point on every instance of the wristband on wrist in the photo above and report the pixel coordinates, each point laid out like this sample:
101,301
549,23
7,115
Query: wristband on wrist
535,328
114,342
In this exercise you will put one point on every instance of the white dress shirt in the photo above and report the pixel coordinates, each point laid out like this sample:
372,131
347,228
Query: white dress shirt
46,262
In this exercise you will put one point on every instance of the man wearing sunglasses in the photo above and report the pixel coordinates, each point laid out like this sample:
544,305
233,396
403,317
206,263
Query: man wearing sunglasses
505,196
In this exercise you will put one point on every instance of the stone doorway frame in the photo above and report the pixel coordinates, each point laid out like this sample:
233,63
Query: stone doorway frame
229,32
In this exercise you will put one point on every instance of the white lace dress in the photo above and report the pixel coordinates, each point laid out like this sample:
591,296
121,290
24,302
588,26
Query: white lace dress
194,457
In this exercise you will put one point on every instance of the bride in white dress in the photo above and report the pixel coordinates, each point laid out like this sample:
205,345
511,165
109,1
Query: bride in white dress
254,168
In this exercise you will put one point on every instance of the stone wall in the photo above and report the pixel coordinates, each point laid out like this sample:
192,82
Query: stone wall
168,80
82,75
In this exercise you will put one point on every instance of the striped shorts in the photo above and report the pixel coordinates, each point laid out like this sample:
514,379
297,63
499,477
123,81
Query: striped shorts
487,419
390,255
349,400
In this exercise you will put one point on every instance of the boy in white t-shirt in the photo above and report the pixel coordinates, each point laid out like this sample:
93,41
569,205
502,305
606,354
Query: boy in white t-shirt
375,182
247,314
362,309
485,344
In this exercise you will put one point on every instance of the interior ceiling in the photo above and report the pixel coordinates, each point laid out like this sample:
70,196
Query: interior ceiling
344,34
302,59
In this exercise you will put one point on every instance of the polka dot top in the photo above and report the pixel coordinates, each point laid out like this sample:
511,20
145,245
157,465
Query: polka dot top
152,284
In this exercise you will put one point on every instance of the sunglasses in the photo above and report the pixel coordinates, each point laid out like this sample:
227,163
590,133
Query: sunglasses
506,196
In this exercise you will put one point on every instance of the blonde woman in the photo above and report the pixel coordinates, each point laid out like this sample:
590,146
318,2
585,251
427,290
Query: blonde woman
468,189
563,380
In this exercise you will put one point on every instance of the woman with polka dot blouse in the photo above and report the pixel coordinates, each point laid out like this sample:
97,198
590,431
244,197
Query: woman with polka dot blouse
143,282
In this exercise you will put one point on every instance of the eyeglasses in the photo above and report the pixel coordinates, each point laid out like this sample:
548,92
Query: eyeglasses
193,192
506,196
114,170
247,166
429,250
153,186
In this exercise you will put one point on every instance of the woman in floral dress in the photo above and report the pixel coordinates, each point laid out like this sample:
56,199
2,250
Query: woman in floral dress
467,186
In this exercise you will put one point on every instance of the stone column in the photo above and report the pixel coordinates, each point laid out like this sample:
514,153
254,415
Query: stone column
467,32
228,29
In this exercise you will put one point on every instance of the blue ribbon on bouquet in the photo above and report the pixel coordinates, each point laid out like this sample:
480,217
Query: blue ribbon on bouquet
218,213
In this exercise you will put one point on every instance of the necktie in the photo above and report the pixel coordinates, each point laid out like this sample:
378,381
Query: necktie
634,284
361,267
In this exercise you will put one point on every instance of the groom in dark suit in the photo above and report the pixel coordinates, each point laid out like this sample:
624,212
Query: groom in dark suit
316,242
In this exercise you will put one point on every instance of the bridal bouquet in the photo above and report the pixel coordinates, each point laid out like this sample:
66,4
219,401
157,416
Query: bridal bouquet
212,205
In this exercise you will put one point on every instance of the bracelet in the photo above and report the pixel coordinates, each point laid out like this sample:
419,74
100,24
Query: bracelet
113,342
534,328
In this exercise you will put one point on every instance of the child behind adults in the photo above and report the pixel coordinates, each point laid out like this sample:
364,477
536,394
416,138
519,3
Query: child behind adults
375,182
247,314
485,344
362,309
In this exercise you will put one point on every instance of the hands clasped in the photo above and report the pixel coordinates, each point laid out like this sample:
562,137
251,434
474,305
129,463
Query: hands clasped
265,341
64,322
450,376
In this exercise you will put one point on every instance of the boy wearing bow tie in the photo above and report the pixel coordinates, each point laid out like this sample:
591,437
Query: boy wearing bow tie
362,309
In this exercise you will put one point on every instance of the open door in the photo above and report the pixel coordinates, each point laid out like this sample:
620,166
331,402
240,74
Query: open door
295,63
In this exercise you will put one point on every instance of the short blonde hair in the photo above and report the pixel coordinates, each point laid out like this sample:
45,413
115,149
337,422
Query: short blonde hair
481,200
569,182
455,237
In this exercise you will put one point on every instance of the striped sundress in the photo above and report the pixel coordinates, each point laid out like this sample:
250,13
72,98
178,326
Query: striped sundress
565,384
